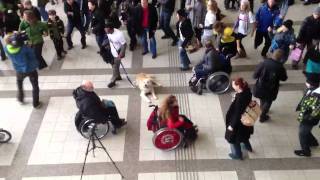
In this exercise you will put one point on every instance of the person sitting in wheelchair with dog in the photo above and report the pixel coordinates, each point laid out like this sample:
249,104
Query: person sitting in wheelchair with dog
91,106
170,117
212,61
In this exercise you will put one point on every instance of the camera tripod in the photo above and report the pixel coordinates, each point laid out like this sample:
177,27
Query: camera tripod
93,136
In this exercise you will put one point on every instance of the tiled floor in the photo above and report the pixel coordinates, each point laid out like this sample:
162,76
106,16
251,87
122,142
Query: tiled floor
15,123
287,175
55,150
58,142
87,177
222,175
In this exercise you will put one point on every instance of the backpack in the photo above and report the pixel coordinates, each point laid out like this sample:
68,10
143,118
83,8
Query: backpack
309,109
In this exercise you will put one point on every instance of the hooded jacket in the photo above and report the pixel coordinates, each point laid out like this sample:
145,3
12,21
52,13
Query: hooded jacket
23,58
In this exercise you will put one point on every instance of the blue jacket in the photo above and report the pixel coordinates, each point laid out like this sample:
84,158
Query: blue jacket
23,58
266,17
282,40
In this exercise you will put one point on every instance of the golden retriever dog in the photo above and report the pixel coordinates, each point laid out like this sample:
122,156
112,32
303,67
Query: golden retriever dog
146,83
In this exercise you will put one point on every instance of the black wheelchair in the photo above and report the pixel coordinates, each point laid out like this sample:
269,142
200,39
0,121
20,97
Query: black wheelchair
84,126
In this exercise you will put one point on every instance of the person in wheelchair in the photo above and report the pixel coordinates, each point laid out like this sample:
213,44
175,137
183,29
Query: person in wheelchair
170,117
91,106
212,61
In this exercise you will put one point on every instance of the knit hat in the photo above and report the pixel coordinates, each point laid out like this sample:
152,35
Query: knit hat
288,24
317,11
108,24
182,13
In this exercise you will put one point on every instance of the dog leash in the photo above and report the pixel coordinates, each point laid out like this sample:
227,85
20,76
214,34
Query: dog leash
124,70
126,73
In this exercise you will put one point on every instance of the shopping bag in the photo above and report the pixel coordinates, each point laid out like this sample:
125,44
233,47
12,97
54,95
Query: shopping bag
251,114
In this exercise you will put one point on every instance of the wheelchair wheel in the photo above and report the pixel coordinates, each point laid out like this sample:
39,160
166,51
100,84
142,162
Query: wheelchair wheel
218,82
167,139
86,126
5,136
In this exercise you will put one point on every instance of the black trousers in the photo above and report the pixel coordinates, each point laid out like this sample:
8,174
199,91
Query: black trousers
132,33
259,39
33,77
306,137
3,54
265,105
38,51
58,45
113,116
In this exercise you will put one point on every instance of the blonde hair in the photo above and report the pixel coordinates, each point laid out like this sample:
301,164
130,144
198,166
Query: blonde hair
212,6
164,111
247,6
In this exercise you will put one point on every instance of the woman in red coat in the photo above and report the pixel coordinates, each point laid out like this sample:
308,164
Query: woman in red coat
169,115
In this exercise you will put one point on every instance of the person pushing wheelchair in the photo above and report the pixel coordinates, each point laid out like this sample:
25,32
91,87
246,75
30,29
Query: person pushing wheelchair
91,106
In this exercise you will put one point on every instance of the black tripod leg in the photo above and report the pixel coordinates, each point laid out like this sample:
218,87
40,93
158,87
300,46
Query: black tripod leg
105,150
85,158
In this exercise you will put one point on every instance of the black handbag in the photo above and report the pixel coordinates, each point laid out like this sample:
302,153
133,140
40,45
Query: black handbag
229,136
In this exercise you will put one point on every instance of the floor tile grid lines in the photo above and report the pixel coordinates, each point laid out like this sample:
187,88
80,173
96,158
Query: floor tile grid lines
182,155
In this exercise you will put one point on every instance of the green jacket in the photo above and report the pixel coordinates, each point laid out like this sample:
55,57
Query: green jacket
309,108
34,32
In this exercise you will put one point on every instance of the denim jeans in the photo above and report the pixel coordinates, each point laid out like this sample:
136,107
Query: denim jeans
165,18
70,27
306,137
43,13
99,39
33,77
183,56
144,41
236,148
284,8
200,72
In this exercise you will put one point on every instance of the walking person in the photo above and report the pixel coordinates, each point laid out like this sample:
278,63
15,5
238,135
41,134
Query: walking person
199,13
27,5
42,9
241,27
310,29
146,26
72,10
118,47
25,64
284,39
97,21
185,33
267,16
56,31
210,20
268,75
311,63
35,30
167,9
236,132
309,116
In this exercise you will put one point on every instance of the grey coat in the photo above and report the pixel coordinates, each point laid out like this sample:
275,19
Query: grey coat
199,13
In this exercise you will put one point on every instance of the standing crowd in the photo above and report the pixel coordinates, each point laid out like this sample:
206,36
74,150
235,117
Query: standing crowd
199,23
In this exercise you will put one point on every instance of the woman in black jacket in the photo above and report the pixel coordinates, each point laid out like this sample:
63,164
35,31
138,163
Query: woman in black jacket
236,132
185,33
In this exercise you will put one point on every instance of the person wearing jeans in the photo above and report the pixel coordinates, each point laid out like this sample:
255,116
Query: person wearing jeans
146,26
185,33
42,9
167,8
25,64
236,132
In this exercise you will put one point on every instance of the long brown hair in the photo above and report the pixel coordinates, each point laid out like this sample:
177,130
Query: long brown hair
165,107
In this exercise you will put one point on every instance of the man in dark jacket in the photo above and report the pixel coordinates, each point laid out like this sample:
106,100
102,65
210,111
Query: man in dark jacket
97,21
309,116
72,10
25,64
267,16
128,8
27,5
185,33
146,23
167,8
310,29
42,9
268,74
91,106
210,63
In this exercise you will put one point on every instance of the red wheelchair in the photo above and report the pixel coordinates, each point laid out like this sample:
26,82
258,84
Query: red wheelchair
165,138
